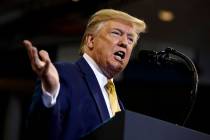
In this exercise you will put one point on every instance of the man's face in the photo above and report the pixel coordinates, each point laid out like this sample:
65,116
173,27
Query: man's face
111,46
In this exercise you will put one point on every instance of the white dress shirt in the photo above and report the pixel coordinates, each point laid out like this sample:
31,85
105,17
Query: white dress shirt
50,100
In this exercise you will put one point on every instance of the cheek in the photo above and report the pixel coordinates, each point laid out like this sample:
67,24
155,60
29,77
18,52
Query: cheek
128,54
104,45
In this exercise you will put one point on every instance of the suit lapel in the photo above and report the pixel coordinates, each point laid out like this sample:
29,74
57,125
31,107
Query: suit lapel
94,88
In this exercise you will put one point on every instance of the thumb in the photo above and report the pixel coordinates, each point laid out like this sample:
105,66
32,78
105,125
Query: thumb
44,56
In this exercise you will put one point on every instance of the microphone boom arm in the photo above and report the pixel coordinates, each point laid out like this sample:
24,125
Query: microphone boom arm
165,55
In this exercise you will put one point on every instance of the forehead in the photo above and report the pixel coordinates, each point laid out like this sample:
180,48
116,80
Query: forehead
119,24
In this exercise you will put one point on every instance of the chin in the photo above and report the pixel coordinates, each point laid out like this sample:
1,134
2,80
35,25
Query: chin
118,69
116,66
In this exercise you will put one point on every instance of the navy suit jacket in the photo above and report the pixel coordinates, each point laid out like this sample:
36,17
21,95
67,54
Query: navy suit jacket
79,109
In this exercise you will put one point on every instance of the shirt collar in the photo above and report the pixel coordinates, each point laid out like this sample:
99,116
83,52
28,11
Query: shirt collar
102,79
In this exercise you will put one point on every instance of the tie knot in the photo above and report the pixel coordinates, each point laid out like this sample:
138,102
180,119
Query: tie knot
110,86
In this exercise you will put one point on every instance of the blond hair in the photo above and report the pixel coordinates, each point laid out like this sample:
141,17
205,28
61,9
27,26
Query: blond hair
96,21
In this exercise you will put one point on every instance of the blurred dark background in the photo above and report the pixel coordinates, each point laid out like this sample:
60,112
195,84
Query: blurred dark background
161,91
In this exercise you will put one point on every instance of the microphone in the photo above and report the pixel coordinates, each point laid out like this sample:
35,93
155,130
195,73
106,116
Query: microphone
171,56
157,58
147,56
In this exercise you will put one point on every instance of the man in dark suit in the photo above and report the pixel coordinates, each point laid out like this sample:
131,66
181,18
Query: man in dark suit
71,100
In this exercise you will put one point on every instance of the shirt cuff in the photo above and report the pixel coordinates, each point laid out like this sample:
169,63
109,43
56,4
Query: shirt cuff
49,99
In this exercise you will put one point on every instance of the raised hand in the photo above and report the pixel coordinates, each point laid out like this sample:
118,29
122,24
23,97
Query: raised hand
43,67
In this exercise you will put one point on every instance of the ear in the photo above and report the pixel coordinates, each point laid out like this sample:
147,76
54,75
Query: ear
89,41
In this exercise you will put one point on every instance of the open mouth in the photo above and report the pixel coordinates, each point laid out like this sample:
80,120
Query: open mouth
120,55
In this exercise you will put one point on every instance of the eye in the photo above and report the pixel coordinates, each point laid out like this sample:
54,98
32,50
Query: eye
130,40
116,33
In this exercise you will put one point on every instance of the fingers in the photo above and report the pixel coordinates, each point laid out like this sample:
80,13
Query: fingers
28,45
32,53
38,59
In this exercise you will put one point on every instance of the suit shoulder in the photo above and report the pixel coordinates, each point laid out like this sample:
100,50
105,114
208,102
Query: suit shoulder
62,64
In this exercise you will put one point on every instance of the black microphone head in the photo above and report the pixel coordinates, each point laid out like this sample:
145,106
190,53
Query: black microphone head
147,56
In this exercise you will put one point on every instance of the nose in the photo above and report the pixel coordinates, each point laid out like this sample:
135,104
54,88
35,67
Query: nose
123,41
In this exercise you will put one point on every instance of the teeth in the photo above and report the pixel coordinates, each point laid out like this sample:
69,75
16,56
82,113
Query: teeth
120,54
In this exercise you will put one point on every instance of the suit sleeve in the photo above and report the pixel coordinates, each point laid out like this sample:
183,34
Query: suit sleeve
43,122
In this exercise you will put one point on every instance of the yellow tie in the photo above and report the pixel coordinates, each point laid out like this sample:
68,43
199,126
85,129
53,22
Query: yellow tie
112,97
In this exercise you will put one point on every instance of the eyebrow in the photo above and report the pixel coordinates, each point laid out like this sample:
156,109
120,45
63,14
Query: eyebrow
129,34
